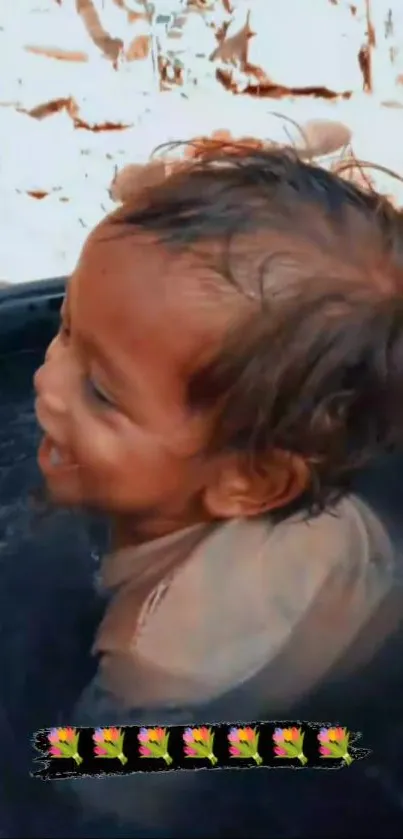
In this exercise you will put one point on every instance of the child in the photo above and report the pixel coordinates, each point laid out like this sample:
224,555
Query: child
230,354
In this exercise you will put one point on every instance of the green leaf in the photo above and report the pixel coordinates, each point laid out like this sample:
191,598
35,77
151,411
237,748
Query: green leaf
202,749
155,749
291,749
246,749
165,742
111,748
66,749
119,743
336,749
75,742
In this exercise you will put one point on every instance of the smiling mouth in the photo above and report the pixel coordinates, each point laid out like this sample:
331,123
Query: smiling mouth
52,458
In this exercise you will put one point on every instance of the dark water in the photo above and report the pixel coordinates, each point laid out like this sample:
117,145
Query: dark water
48,610
48,614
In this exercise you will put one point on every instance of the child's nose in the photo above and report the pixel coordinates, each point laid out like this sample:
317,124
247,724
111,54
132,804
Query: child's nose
52,380
49,390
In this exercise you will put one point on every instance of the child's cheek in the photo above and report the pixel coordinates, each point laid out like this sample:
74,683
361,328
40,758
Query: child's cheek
97,445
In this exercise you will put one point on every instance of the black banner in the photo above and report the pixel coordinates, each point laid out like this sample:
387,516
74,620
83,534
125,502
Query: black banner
78,752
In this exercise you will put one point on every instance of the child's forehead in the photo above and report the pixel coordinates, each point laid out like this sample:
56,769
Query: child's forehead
143,263
132,289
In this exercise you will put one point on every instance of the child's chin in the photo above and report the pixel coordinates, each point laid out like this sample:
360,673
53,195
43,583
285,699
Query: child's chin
65,492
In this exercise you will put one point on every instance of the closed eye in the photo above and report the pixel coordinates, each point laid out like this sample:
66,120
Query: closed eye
96,393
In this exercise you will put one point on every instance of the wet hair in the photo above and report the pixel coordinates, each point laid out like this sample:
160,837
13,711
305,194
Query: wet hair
315,366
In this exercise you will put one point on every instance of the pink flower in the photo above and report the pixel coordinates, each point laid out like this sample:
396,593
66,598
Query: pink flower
278,735
280,751
62,735
100,751
143,735
64,743
151,735
234,751
325,751
145,752
332,735
242,735
198,743
196,735
106,735
287,735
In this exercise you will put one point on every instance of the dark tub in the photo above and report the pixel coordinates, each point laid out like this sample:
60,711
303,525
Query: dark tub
48,614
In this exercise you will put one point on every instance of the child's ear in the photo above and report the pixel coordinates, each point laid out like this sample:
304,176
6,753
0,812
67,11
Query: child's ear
238,491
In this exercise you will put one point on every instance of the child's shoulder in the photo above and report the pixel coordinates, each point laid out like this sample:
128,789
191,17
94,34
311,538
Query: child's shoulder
253,589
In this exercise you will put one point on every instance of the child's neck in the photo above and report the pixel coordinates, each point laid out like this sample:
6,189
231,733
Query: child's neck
129,531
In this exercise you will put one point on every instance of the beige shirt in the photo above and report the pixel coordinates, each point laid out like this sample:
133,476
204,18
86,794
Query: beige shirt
247,617
194,615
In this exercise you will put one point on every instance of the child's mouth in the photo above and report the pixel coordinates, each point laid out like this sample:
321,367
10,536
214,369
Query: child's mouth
53,459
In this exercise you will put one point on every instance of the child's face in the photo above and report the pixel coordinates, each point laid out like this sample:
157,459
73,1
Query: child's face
111,394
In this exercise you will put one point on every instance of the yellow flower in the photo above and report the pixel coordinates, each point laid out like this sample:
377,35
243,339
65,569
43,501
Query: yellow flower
156,734
246,735
111,734
62,732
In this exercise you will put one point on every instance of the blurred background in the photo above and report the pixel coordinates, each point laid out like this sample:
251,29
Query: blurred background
88,87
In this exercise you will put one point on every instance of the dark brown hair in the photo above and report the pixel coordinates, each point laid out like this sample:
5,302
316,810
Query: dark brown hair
316,365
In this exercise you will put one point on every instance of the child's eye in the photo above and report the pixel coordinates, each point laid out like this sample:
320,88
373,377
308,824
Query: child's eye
96,393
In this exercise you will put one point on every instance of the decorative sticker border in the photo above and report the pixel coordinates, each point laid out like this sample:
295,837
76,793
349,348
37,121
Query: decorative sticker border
81,752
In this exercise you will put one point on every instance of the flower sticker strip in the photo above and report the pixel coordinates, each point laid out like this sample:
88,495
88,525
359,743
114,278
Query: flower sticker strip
243,744
199,744
334,744
108,742
255,744
64,744
289,744
154,743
